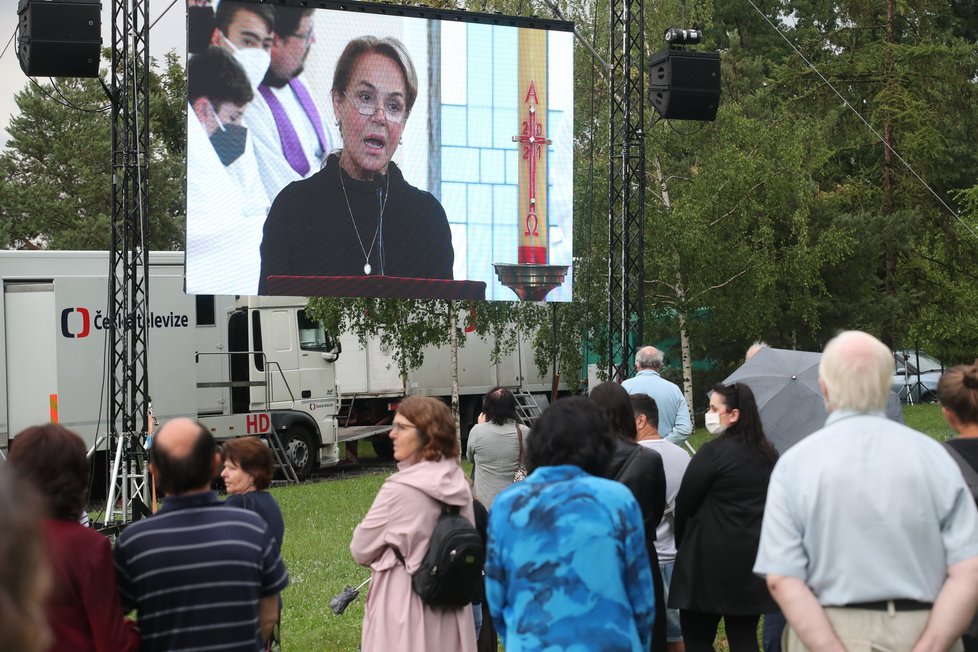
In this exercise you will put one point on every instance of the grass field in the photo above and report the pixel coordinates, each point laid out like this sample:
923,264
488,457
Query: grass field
319,522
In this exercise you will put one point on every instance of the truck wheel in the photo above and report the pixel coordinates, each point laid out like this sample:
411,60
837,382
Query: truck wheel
383,447
298,446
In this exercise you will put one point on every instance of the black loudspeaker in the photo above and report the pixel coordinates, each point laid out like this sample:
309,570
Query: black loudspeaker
59,38
685,85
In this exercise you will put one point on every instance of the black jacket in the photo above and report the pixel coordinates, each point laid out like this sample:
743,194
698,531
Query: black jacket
309,230
644,475
719,510
640,469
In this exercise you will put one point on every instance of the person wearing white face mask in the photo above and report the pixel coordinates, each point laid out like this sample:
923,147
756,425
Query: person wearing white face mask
718,516
226,205
245,30
291,136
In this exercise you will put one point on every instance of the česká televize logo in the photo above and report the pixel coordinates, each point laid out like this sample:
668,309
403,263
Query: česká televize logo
77,322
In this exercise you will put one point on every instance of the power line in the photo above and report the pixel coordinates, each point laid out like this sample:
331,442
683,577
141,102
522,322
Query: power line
162,14
866,122
7,46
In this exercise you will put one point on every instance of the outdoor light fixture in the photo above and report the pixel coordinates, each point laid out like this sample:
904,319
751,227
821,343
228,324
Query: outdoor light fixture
676,36
684,85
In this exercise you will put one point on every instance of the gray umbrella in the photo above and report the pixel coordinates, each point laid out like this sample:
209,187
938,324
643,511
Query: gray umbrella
785,384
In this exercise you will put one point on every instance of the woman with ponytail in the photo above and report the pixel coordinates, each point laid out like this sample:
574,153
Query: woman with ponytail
719,510
958,393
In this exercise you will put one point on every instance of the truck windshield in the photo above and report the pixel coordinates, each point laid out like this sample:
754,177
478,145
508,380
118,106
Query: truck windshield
312,337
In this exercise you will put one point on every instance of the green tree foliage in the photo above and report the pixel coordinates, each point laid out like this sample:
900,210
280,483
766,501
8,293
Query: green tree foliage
897,278
55,179
410,327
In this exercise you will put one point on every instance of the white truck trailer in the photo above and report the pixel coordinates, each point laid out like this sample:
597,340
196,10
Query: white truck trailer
242,365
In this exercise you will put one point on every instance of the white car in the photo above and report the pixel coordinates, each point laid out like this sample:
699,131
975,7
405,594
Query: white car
915,376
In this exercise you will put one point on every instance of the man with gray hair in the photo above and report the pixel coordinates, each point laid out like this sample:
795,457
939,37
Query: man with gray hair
674,422
870,535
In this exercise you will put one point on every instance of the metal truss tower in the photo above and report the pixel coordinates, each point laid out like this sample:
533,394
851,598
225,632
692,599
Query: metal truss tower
128,393
626,185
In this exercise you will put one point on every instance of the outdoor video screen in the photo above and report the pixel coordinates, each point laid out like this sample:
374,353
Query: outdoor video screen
352,152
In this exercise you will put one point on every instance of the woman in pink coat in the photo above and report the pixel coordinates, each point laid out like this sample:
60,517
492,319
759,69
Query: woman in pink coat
403,516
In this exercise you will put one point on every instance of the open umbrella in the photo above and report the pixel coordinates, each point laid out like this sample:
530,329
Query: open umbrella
785,384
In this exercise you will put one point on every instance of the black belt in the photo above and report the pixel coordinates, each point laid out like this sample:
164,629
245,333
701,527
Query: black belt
884,605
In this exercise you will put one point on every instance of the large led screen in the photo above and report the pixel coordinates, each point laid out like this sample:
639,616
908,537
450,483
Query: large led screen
364,150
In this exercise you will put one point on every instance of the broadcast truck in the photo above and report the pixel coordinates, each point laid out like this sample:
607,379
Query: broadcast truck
242,365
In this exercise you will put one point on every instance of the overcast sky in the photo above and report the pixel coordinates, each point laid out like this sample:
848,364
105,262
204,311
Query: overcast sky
168,34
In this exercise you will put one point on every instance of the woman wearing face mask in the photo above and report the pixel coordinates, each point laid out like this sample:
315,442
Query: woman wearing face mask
358,216
719,510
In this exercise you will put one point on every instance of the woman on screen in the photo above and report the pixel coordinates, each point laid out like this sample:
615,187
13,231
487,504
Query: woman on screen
358,216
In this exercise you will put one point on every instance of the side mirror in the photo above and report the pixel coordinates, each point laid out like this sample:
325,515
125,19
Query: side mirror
334,353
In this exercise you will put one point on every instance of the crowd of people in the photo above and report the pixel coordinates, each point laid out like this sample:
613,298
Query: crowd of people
201,573
863,535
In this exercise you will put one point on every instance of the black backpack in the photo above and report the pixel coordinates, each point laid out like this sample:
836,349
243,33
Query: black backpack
451,573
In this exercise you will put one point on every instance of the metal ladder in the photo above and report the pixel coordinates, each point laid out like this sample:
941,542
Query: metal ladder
526,407
282,458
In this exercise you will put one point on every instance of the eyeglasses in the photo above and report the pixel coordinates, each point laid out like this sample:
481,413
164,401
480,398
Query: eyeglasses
395,112
402,426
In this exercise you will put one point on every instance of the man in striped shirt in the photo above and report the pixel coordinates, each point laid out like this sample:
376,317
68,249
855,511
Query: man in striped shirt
201,576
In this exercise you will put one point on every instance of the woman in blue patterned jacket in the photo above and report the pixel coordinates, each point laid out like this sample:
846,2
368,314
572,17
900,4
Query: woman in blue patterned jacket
566,566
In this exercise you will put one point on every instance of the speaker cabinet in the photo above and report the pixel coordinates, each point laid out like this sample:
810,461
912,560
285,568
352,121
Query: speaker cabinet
59,38
685,85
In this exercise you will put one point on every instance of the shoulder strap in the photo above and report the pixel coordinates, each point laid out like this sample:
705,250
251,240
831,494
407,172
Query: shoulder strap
445,509
969,473
628,461
519,435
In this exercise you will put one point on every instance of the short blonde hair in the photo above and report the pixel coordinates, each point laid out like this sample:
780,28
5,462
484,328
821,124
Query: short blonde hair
389,47
856,369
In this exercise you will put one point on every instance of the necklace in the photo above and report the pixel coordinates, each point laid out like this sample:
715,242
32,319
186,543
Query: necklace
366,253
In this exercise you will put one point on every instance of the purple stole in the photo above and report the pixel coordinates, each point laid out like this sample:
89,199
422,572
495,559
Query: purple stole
291,147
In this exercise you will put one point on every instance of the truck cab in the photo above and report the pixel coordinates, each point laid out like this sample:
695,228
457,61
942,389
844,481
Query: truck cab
268,360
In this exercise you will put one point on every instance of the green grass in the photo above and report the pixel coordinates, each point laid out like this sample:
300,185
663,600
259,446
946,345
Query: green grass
320,518
319,522
928,419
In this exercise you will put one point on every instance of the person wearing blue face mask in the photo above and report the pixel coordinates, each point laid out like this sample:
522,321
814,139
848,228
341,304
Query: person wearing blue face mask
244,30
226,204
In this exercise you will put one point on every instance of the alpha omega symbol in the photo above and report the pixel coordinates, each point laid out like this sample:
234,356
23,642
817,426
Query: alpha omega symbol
533,142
